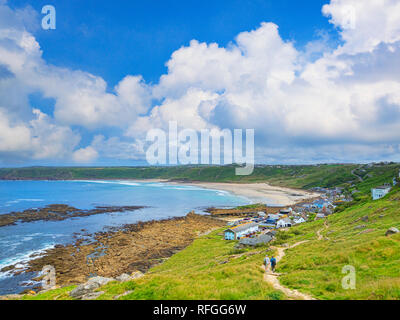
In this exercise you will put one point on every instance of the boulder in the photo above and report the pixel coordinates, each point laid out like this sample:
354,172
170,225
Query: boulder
88,287
137,275
123,278
365,219
391,231
92,295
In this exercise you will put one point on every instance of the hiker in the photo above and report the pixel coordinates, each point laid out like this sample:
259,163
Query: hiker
273,263
266,263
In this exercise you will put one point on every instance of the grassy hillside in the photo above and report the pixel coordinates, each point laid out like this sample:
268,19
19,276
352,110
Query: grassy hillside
210,268
291,176
316,267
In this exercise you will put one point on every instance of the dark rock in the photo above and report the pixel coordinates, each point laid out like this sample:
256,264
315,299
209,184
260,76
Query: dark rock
392,231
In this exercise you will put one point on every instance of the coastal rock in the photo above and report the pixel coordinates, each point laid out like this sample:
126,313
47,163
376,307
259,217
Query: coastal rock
123,278
92,295
392,231
92,284
137,275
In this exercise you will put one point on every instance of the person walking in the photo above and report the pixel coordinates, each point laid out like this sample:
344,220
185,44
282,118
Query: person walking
266,263
273,263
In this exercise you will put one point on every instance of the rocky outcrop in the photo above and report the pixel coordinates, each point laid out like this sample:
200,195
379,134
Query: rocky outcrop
123,250
58,212
392,231
86,291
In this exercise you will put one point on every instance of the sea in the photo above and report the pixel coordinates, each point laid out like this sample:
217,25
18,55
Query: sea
162,201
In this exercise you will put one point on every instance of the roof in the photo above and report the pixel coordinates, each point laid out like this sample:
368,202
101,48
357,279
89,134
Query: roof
286,220
264,238
382,188
242,227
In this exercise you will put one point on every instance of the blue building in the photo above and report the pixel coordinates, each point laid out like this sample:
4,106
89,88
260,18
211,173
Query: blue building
241,231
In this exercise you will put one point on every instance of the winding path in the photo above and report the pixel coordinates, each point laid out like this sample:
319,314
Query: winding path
272,278
319,235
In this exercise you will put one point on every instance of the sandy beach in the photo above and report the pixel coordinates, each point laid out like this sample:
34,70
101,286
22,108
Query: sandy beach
260,192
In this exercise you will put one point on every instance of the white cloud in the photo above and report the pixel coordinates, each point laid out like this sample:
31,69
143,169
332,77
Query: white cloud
85,155
306,105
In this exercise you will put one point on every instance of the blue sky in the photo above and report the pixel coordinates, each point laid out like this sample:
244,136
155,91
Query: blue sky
138,37
318,81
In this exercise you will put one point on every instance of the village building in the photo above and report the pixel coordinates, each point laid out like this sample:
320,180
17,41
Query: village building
241,231
380,192
299,220
284,223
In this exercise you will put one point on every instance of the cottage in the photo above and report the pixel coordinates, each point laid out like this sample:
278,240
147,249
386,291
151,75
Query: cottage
240,231
284,223
380,192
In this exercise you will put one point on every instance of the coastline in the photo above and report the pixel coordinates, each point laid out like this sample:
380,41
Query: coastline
126,249
258,192
255,192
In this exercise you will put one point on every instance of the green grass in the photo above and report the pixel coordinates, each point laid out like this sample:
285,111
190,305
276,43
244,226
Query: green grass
197,272
316,267
301,176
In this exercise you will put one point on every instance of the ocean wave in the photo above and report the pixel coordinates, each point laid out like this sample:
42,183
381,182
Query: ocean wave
8,203
126,183
20,261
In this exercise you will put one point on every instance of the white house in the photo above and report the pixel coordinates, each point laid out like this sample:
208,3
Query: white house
284,223
240,231
380,192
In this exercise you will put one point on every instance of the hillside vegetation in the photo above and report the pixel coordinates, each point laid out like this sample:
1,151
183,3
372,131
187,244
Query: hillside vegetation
355,237
291,176
212,268
301,176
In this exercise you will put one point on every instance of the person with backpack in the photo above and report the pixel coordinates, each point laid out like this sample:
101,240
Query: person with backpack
273,263
266,263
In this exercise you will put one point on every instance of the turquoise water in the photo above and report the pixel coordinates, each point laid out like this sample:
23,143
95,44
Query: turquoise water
19,242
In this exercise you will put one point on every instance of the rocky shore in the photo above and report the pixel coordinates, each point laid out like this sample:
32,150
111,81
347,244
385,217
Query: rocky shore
58,212
124,250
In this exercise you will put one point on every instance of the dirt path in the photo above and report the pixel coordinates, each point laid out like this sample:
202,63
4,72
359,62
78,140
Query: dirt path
356,175
319,235
272,278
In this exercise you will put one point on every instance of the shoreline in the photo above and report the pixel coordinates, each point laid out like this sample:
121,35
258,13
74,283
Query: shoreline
255,192
110,253
258,192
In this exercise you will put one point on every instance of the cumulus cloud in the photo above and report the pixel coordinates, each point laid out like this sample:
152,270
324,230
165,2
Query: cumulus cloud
85,155
315,104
